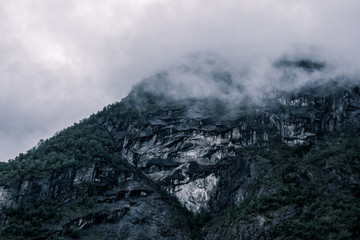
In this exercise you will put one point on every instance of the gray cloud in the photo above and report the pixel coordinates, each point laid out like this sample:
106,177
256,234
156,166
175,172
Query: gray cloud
60,61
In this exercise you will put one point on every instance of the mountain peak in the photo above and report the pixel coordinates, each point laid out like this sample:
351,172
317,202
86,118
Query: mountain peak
191,154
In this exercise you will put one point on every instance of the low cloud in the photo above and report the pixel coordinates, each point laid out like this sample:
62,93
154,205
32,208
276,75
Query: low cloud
210,77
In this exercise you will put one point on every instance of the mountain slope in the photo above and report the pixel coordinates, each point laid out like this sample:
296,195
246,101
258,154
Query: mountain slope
169,162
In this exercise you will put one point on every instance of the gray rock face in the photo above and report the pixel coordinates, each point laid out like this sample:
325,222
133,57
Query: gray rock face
5,196
185,152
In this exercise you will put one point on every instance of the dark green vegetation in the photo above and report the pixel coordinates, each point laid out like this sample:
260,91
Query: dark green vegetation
315,188
75,147
27,221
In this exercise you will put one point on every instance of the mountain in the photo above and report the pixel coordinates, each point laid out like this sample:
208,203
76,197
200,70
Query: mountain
196,153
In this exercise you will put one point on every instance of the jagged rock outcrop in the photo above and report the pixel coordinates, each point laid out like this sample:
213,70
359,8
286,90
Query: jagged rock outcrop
184,153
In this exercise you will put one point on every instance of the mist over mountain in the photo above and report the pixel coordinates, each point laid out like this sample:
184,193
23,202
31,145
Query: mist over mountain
205,82
206,149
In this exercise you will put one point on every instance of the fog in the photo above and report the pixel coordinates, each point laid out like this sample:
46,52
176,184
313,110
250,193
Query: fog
60,61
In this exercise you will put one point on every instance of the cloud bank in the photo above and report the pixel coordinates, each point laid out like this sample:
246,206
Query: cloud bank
60,61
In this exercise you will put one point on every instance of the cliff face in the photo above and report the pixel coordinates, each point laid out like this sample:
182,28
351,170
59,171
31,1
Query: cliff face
239,166
190,157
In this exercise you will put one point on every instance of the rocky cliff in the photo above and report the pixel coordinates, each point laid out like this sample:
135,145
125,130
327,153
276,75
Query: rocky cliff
205,167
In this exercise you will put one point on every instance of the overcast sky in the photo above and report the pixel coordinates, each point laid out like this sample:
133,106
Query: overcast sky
61,60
